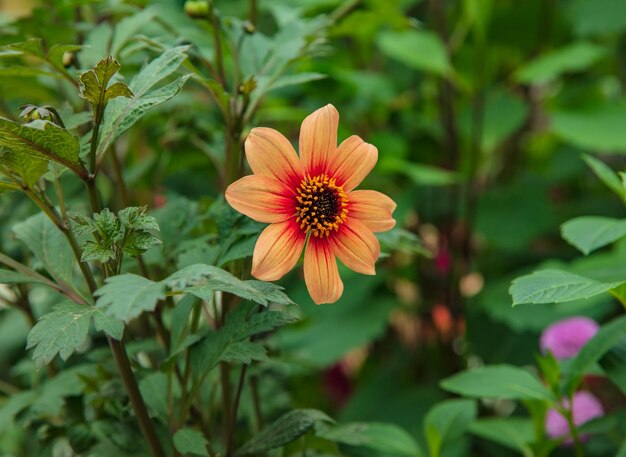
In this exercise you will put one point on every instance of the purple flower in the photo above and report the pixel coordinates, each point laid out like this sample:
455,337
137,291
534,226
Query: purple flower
566,337
586,407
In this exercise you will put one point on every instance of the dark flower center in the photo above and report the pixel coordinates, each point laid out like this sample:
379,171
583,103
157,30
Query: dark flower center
322,205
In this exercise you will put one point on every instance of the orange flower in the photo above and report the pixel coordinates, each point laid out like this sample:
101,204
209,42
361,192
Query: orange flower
312,198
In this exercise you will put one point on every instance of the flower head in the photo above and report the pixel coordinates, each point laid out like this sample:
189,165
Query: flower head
585,407
566,337
310,200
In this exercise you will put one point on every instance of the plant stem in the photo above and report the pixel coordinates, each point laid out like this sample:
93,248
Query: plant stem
219,57
230,447
130,383
252,16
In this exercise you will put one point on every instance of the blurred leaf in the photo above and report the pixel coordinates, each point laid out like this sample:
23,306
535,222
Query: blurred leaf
555,286
127,27
122,114
187,440
589,233
126,296
380,437
32,47
599,128
419,49
56,53
15,277
153,388
598,17
284,430
512,432
42,139
292,80
64,330
574,57
605,174
244,352
398,239
498,381
15,404
606,338
49,245
614,364
447,421
424,175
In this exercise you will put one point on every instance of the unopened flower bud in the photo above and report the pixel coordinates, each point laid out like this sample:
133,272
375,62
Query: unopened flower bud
198,9
249,28
68,59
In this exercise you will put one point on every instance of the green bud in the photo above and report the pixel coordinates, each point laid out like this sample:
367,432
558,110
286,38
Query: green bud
198,9
249,28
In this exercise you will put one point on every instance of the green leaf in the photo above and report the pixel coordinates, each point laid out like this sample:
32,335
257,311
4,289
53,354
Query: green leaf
127,27
244,352
379,437
94,251
127,296
575,57
423,175
103,322
153,388
284,430
497,381
513,432
28,167
447,421
606,175
614,364
122,114
15,277
555,286
135,217
293,80
107,225
7,186
136,243
597,128
597,17
33,47
419,49
589,233
94,83
43,140
203,280
49,245
606,338
188,440
56,52
62,331
15,404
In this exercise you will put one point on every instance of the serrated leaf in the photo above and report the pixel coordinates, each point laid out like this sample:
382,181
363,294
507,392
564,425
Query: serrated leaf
127,296
606,338
447,421
377,436
574,57
94,82
82,225
122,114
43,140
244,352
110,325
115,90
62,331
497,381
28,167
135,217
589,233
555,286
108,226
92,251
203,280
284,430
49,245
605,174
188,440
136,243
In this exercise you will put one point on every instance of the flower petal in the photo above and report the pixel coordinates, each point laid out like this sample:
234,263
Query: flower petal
318,139
352,162
269,153
356,246
372,208
277,250
262,198
320,272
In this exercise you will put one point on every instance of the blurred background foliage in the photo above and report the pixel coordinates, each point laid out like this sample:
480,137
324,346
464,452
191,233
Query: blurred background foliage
480,110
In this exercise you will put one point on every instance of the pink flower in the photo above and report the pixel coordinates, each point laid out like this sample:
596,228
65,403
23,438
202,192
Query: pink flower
586,407
566,337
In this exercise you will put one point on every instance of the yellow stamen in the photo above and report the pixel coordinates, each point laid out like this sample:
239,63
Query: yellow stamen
330,209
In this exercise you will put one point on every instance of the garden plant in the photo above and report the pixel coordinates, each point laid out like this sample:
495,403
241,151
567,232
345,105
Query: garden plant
362,228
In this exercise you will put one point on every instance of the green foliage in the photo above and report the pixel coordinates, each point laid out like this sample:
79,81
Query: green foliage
191,441
64,331
446,421
497,381
589,233
419,49
379,437
284,430
95,83
127,296
555,286
513,433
